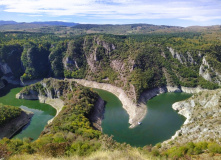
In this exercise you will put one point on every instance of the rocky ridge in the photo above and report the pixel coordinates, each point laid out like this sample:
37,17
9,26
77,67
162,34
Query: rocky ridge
208,72
203,118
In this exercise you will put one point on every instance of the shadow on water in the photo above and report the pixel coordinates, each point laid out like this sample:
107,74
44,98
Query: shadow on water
4,91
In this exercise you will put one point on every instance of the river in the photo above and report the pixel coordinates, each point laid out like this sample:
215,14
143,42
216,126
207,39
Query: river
160,123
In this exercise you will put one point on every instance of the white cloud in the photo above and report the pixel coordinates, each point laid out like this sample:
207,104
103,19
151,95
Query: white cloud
198,10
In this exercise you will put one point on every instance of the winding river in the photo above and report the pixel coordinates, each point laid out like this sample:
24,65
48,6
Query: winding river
160,123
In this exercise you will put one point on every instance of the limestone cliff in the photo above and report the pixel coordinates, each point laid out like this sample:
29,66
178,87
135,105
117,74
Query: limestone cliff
183,58
209,73
203,118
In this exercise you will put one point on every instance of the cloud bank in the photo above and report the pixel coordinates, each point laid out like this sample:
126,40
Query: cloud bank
197,10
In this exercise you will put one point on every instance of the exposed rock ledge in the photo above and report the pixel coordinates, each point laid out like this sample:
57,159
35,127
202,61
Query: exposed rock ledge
10,128
203,118
55,103
136,112
97,114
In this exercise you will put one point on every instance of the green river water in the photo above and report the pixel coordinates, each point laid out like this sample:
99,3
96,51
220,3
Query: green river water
42,112
160,123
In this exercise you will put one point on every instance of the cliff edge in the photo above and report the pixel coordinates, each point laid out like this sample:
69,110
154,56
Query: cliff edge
10,128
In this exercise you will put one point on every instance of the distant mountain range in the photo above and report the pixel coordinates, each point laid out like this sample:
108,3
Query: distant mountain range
46,23
70,28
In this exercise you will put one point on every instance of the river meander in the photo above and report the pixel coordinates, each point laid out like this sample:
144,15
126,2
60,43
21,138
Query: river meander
160,123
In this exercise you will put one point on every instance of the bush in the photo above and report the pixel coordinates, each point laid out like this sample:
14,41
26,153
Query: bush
214,148
7,113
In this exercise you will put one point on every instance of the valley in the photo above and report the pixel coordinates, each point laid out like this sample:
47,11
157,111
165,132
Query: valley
139,68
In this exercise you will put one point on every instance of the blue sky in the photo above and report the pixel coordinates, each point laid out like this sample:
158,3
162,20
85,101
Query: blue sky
160,12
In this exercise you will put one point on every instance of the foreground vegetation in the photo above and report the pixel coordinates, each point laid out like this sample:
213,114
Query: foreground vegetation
8,113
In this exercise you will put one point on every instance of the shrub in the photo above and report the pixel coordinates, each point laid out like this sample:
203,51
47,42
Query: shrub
214,148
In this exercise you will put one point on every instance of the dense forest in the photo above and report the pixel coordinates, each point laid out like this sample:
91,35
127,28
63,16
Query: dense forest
134,62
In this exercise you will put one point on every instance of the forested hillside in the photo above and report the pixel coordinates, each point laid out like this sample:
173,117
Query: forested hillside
135,63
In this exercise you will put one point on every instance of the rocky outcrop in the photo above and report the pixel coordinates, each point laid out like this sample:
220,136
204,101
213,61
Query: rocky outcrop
136,112
95,50
13,126
7,74
203,118
123,69
97,114
182,58
5,68
204,70
209,73
177,55
33,95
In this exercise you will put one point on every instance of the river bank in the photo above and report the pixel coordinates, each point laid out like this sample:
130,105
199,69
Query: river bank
13,126
55,103
202,113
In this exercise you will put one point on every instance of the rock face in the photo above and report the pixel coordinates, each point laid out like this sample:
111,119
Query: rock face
5,68
97,115
203,71
177,55
96,52
203,118
33,95
10,128
183,58
208,72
